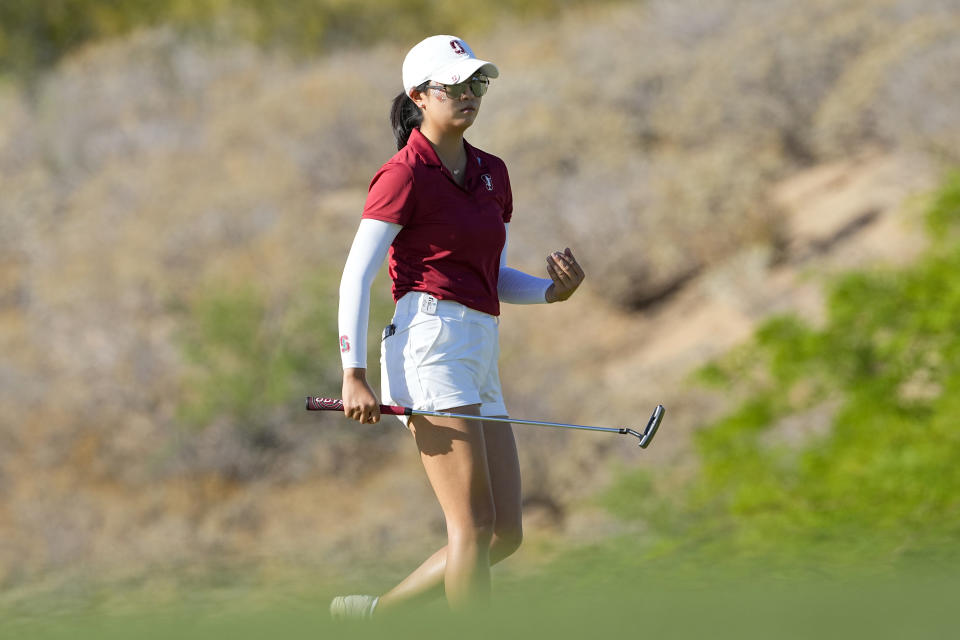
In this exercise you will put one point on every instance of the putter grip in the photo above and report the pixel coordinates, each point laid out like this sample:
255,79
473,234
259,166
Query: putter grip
315,403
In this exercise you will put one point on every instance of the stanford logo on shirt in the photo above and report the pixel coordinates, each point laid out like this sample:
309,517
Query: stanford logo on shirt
487,180
458,48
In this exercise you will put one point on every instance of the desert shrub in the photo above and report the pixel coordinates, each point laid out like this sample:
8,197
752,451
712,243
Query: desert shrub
659,163
894,93
913,105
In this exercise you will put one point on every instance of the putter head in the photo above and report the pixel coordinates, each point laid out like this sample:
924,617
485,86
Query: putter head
652,425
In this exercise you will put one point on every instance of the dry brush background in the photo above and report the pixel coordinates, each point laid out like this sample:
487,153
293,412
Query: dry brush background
174,217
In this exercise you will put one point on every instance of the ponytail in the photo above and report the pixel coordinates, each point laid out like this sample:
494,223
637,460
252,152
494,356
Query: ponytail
405,116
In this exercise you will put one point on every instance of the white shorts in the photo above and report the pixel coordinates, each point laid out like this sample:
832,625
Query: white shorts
440,355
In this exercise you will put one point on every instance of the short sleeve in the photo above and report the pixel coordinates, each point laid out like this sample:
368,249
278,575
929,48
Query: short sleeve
390,197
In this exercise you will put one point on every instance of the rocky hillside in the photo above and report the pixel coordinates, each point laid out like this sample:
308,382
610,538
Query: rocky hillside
175,216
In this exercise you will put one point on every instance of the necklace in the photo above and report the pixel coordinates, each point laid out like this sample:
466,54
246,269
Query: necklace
453,168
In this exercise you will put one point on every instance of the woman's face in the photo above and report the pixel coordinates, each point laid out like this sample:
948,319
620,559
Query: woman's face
446,111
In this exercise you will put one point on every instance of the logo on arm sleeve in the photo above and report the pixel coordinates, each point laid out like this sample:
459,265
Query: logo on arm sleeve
344,344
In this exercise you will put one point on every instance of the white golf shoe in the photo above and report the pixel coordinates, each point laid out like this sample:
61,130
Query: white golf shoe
353,607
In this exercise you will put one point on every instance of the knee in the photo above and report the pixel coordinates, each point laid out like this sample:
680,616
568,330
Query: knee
477,531
505,542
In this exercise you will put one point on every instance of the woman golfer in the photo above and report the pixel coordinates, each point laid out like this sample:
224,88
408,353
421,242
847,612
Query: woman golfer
441,208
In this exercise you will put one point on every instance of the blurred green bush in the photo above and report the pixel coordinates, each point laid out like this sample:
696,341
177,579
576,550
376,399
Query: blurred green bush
245,361
253,355
843,450
36,34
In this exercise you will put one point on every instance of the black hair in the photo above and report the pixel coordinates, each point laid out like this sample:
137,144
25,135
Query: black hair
405,116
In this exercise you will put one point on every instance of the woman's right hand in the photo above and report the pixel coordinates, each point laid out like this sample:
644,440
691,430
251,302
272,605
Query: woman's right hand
359,401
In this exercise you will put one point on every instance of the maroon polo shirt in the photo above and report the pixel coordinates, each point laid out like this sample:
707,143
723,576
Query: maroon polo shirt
452,236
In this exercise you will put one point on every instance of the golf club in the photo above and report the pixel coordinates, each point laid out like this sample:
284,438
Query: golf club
331,404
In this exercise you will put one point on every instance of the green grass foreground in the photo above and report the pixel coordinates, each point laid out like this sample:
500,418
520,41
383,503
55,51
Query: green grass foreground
569,601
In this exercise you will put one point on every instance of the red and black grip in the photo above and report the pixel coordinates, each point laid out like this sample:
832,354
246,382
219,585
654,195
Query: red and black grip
315,403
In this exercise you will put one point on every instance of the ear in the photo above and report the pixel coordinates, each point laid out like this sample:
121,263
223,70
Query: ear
418,97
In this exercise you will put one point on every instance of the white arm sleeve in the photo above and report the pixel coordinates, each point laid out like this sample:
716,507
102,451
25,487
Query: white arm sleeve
367,254
517,287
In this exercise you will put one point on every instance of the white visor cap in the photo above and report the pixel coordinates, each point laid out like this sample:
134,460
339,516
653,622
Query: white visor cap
443,59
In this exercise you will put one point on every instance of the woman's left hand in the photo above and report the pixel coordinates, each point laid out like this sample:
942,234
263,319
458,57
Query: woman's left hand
565,273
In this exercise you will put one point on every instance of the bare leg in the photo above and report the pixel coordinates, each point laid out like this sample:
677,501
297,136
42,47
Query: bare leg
453,454
427,581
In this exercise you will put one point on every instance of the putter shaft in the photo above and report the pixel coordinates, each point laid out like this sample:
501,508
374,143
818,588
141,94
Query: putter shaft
316,403
644,437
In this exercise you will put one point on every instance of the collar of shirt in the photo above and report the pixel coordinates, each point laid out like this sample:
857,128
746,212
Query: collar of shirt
428,154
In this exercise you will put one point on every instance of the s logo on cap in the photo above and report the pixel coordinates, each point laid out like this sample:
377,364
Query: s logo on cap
445,58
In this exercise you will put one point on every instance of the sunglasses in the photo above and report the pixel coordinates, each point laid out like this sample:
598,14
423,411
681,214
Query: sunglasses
478,86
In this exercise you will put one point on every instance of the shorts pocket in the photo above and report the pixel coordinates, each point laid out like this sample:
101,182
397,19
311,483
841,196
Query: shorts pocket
420,338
